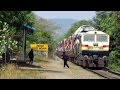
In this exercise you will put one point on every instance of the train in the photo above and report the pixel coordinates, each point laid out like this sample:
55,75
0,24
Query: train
87,47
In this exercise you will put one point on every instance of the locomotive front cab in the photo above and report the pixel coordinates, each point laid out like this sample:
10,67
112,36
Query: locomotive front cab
96,44
96,41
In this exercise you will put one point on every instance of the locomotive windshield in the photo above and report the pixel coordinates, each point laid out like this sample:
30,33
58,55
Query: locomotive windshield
102,38
89,37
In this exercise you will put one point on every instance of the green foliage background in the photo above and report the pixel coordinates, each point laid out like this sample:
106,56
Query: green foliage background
108,22
11,32
14,21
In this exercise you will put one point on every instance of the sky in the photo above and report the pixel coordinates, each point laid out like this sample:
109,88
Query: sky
77,15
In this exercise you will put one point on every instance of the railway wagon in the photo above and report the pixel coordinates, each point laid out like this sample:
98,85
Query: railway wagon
87,47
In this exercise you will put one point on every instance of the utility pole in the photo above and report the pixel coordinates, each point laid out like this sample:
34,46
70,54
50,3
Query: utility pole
24,45
25,28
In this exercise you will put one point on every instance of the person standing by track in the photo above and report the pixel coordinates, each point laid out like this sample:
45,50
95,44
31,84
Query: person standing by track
65,58
31,56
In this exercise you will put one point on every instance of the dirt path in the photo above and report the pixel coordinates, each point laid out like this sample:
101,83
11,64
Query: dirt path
54,70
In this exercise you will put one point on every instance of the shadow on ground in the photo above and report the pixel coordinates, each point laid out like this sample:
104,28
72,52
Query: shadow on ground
21,64
33,67
44,70
41,61
95,68
28,65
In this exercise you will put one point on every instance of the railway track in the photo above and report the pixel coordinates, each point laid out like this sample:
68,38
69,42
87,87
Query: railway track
106,73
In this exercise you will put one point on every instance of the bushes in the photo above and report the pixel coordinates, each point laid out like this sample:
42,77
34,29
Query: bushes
114,67
114,60
11,71
114,57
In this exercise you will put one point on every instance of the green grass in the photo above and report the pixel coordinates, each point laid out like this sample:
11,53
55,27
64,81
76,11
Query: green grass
114,67
11,71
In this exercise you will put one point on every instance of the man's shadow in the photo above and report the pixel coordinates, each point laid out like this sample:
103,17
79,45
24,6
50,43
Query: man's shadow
24,64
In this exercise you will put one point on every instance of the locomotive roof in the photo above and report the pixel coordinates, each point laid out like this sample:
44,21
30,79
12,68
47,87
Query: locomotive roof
92,32
84,28
87,29
98,32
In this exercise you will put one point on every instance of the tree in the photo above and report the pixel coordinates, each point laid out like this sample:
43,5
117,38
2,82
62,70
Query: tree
109,22
101,15
6,38
16,18
10,26
43,34
76,25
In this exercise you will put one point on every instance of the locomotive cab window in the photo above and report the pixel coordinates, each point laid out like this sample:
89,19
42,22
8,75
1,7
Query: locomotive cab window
89,37
102,38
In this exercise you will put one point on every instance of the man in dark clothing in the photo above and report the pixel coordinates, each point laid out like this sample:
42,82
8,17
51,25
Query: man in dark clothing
3,57
6,57
65,58
31,56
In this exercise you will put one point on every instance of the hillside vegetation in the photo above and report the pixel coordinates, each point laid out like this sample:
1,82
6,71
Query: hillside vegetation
11,31
108,22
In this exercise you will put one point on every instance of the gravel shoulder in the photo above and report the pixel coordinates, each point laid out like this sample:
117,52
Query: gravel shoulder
53,69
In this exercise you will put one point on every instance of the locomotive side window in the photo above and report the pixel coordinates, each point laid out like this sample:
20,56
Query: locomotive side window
102,38
89,37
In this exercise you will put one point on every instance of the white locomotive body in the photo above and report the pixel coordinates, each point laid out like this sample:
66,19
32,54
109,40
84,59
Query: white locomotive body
87,47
